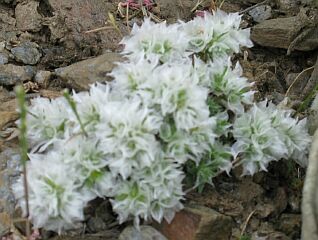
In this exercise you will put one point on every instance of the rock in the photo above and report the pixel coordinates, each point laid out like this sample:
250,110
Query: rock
8,105
145,233
174,10
249,191
294,203
27,53
197,223
42,78
27,16
11,74
99,216
275,206
9,172
312,81
309,207
7,117
72,18
4,58
96,224
81,74
290,224
104,211
287,5
261,13
269,236
281,32
298,85
5,17
5,223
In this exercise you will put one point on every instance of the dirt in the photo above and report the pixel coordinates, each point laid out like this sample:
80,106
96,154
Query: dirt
67,32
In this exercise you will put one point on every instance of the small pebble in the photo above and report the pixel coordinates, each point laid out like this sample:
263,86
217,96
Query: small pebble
261,13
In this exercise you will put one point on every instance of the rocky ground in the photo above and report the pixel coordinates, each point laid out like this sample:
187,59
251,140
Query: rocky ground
49,45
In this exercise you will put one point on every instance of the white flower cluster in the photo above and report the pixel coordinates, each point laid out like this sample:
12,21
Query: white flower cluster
177,99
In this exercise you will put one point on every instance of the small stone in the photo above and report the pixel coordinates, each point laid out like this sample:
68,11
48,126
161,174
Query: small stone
11,74
2,46
4,58
7,117
104,211
9,172
42,78
269,236
145,233
27,53
248,190
197,223
5,224
27,16
261,13
296,87
275,206
294,203
80,75
290,224
287,5
96,224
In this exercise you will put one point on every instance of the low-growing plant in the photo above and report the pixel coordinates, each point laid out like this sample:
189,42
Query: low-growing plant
177,104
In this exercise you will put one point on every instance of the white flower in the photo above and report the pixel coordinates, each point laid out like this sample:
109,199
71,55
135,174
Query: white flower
216,35
226,29
257,139
199,32
151,39
104,184
134,78
55,200
178,94
292,132
230,86
132,200
90,104
127,134
47,121
85,155
164,179
182,146
154,191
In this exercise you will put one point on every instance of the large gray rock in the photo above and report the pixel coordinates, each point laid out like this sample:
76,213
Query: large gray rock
81,74
27,53
11,74
282,32
145,233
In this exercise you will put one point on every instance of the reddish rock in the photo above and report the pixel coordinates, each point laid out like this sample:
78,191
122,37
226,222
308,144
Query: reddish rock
197,223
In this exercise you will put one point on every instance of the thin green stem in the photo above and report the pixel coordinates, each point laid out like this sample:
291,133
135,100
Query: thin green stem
72,104
20,93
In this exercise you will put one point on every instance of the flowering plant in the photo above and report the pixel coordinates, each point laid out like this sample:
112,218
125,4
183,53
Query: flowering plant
176,105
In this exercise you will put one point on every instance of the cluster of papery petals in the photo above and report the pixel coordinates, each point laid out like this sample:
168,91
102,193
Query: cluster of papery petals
266,133
177,101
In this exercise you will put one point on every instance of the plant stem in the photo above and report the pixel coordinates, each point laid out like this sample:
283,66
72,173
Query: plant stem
73,107
24,150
